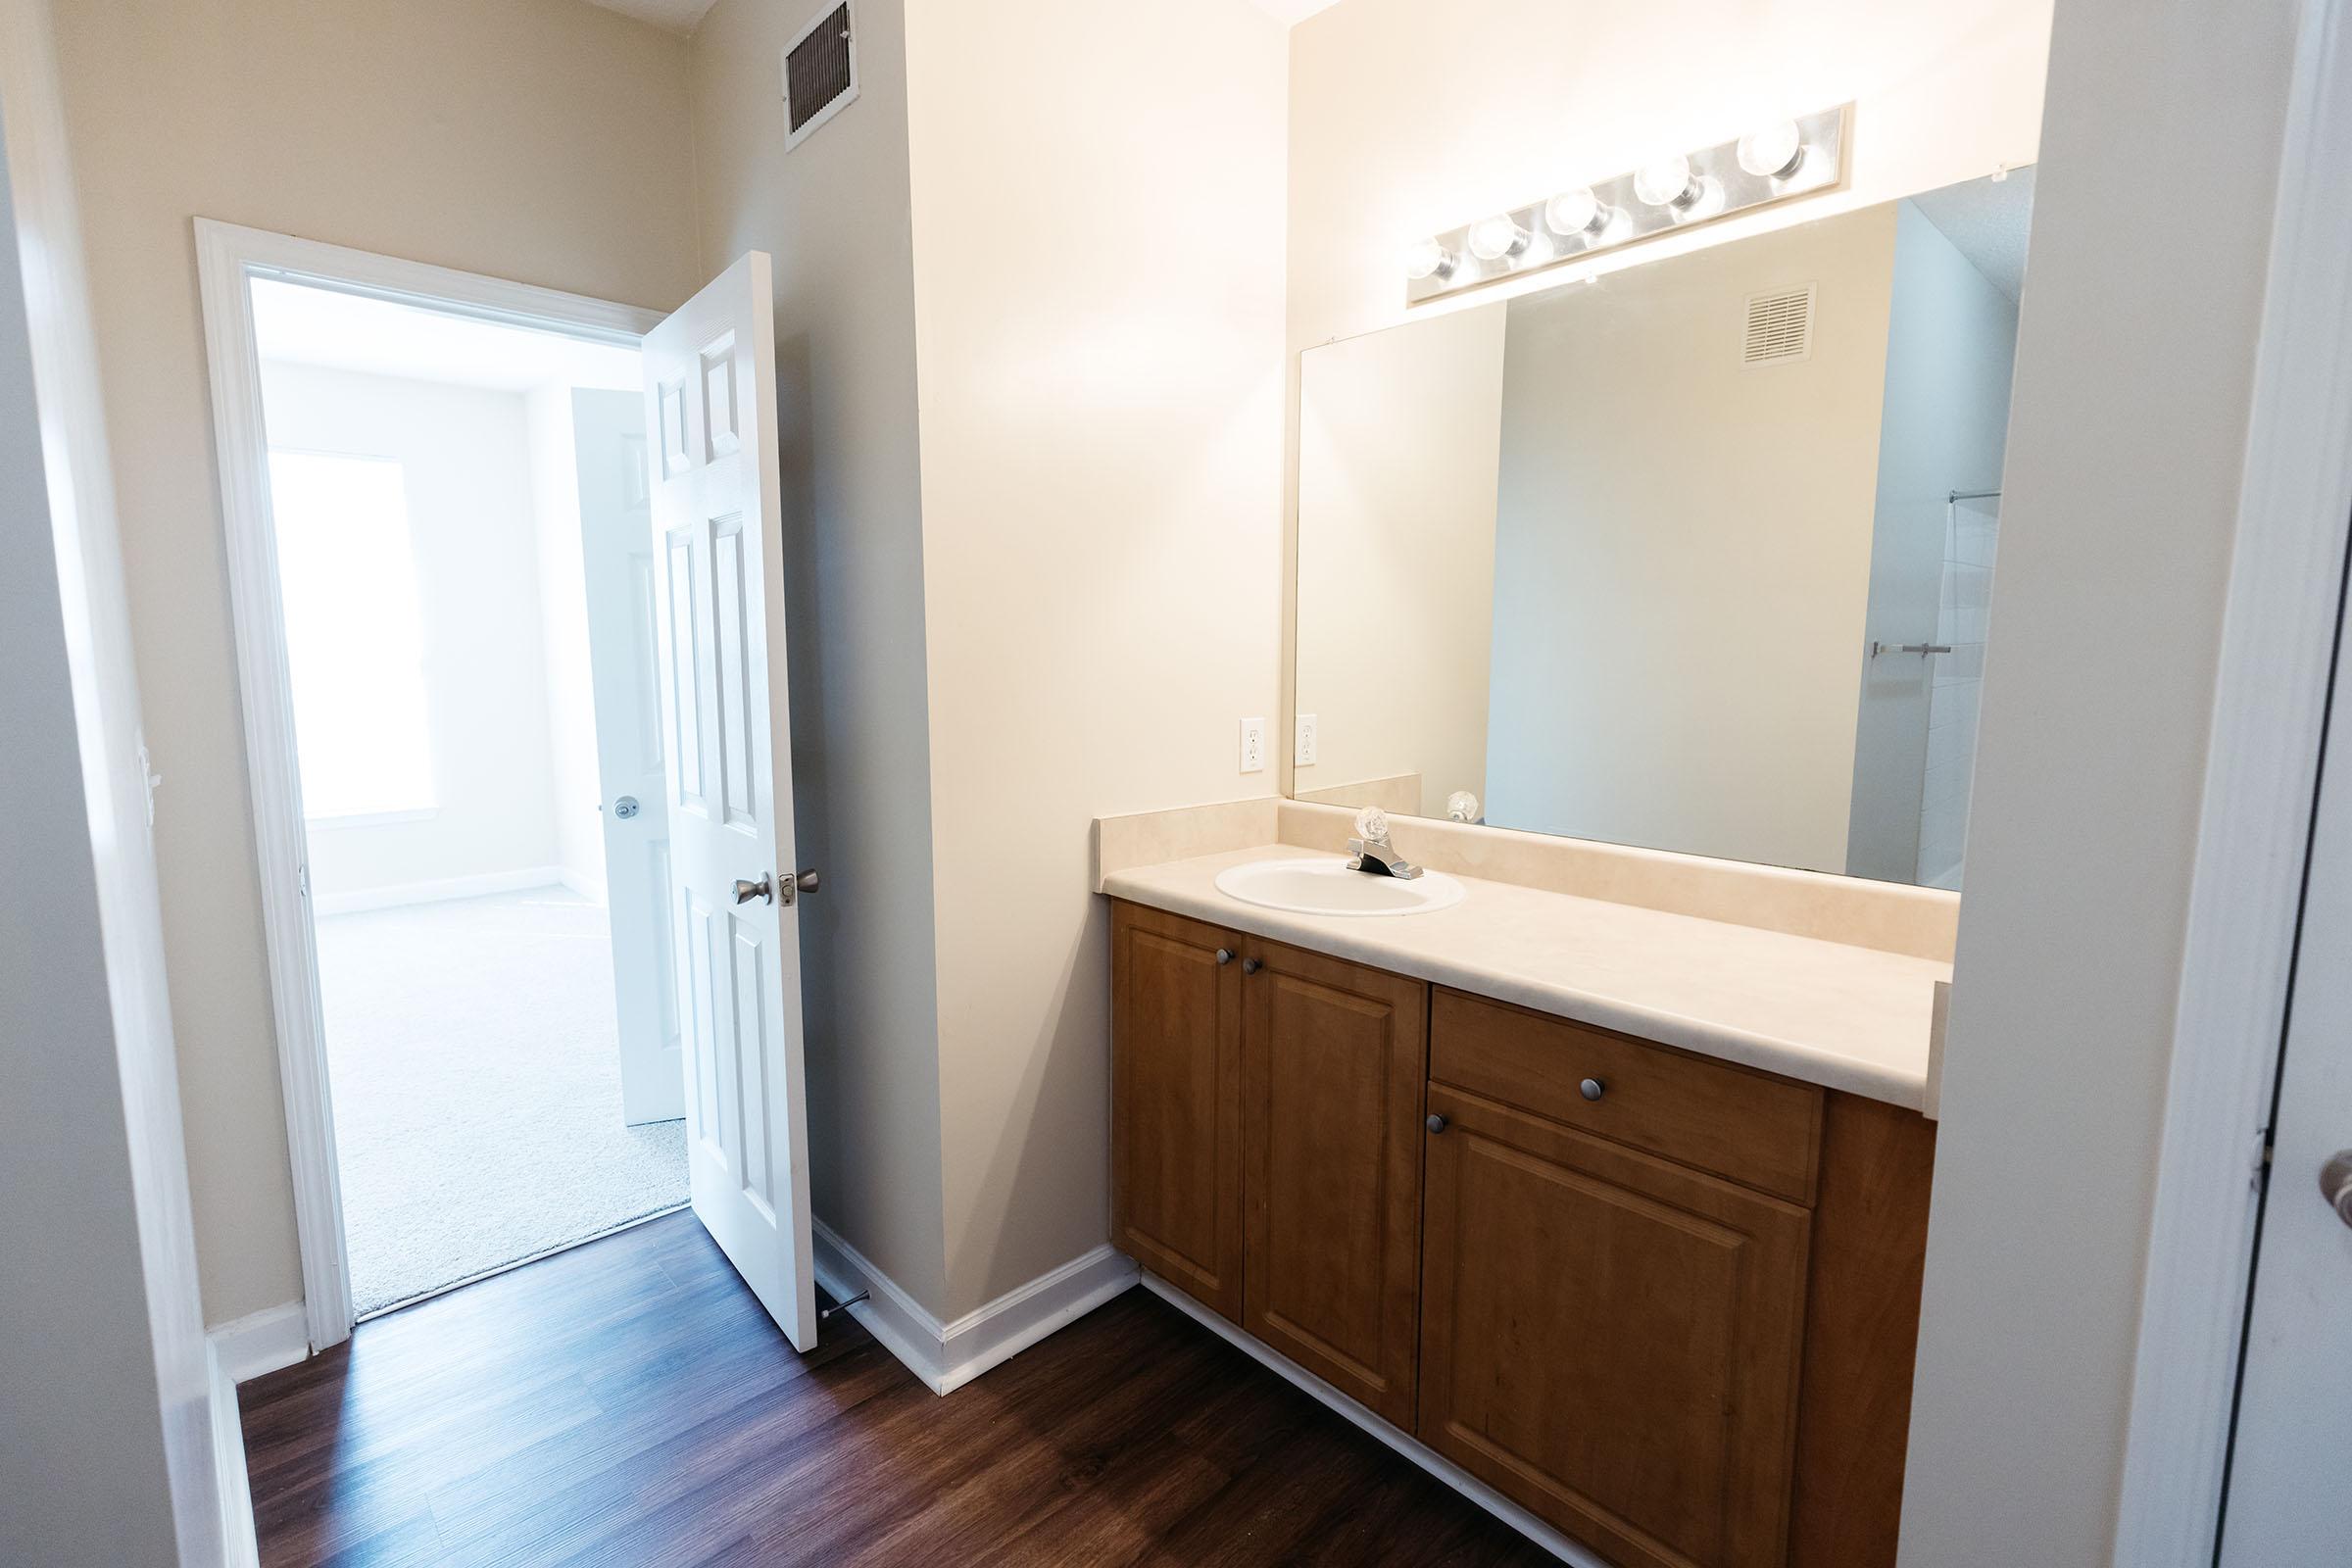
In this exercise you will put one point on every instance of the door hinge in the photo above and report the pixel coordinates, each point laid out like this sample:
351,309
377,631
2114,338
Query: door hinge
302,879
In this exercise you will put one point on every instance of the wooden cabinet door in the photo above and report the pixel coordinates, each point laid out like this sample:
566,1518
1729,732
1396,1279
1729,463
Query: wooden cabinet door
1610,1340
1334,1060
1176,1101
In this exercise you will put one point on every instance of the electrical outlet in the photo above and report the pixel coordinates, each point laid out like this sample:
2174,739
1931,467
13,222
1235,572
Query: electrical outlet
1303,744
1254,745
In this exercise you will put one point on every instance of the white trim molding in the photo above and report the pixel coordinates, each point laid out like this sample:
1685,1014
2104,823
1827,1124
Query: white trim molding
1420,1454
229,258
2261,770
479,885
948,1355
260,1342
241,1545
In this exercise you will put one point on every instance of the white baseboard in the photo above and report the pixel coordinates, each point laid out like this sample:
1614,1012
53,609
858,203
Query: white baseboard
239,1546
262,1341
948,1355
1428,1458
587,887
360,900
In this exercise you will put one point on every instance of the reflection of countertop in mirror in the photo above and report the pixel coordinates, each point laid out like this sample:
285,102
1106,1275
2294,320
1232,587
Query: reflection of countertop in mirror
1845,1017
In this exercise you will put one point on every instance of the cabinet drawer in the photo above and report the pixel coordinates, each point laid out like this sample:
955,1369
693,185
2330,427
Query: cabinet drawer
1749,1126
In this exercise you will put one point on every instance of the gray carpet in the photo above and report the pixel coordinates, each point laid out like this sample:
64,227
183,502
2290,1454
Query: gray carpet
473,1062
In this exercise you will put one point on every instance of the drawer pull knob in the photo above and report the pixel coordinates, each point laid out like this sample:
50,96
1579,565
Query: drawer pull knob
1436,1123
1592,1088
1224,955
1251,967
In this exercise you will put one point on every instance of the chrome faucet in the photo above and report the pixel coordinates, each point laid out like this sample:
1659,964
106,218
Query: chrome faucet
1374,855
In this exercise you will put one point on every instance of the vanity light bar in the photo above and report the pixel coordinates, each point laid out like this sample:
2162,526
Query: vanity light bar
1773,162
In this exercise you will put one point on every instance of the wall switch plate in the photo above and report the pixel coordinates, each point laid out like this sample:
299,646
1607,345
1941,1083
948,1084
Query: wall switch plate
1303,744
1254,745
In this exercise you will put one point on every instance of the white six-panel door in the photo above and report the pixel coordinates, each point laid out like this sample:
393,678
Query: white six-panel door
716,521
616,546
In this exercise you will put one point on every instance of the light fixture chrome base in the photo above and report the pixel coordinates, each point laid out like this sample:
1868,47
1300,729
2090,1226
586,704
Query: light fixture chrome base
1819,164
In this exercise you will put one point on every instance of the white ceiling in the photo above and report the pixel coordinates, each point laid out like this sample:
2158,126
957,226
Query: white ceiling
677,16
294,324
1289,13
1986,219
684,15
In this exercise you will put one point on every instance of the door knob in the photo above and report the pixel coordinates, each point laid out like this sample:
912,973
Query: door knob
1251,967
804,879
1435,1123
626,807
746,892
1224,955
2335,1184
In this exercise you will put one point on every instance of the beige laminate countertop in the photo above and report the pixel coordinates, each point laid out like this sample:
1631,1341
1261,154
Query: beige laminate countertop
1849,1019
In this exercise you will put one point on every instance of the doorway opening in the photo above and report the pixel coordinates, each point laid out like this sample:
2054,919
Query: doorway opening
462,522
674,568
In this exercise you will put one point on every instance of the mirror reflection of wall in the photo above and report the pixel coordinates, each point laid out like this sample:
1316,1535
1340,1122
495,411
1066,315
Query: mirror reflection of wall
1614,558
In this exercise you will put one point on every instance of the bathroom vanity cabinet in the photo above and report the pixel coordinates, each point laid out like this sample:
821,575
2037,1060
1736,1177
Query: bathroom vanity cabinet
1666,1304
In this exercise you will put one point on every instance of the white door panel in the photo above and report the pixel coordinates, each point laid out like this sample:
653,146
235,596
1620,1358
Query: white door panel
716,522
617,548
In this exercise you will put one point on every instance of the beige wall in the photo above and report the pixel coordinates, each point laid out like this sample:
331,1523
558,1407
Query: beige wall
1397,439
834,213
542,140
2121,485
1098,232
1682,552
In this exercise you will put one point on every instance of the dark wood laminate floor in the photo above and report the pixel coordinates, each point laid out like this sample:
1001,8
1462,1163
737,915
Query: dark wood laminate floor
627,1402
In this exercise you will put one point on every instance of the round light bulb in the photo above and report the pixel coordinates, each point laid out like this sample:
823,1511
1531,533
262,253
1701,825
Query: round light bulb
1493,238
1666,182
1575,212
1428,258
1773,152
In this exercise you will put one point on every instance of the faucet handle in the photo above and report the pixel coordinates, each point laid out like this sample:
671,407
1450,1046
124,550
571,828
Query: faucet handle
1372,825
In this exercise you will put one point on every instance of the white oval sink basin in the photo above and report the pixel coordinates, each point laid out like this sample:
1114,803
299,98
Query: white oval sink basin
1328,887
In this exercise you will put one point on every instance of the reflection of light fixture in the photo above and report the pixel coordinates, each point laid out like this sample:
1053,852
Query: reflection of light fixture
1493,238
1574,213
1428,258
1667,183
1706,202
1773,152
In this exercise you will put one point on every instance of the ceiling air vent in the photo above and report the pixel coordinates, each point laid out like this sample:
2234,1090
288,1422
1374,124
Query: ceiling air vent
1779,326
821,74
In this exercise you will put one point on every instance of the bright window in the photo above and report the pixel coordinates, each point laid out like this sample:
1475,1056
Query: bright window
353,635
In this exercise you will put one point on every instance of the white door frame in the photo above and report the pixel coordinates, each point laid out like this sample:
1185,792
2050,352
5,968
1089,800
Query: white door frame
2262,767
229,258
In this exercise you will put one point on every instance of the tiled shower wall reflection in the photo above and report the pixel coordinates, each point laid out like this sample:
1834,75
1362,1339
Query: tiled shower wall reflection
1953,703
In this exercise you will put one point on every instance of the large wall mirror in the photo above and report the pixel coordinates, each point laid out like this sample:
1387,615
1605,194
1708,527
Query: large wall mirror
1695,556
